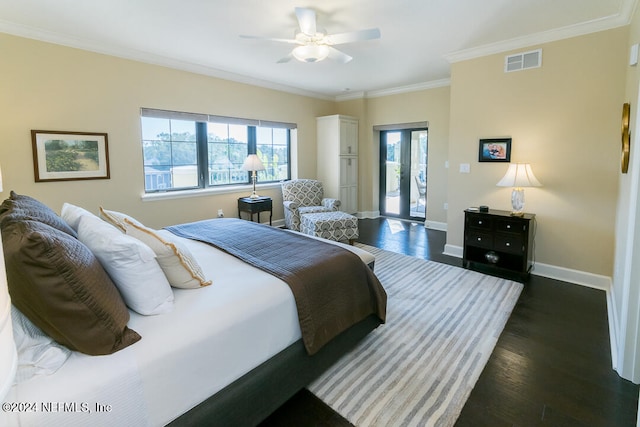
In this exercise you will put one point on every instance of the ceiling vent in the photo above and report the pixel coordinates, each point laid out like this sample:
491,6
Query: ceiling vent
523,60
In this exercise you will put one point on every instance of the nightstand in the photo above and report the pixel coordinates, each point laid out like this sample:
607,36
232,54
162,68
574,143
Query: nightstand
499,241
255,206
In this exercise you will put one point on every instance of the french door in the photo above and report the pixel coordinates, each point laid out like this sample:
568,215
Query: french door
403,173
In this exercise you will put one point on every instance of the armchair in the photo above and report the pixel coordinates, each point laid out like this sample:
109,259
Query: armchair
301,196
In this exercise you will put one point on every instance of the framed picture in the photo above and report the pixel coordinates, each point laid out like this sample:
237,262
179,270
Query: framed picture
63,156
495,150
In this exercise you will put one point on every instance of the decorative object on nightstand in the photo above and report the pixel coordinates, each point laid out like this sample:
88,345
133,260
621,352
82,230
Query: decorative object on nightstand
518,176
254,205
252,164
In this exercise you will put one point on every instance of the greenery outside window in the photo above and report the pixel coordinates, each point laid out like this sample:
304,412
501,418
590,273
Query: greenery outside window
184,151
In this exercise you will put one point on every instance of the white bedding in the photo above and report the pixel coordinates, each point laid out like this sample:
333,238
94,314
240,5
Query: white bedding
213,336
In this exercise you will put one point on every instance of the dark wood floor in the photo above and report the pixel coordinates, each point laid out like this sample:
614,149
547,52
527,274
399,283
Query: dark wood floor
551,365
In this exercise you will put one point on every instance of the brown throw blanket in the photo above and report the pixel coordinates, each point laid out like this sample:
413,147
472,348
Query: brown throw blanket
332,287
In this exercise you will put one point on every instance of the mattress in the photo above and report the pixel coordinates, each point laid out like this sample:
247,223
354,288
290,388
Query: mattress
213,336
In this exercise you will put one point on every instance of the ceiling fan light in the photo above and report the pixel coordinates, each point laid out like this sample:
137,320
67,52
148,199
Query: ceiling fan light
311,52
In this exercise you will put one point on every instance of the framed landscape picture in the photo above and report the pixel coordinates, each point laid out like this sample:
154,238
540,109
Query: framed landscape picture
63,156
495,150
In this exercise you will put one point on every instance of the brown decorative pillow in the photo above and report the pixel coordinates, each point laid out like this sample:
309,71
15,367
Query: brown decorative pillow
61,287
18,208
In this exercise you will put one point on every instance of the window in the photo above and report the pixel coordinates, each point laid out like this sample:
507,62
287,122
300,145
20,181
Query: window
184,151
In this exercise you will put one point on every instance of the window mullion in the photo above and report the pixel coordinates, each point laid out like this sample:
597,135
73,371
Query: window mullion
203,160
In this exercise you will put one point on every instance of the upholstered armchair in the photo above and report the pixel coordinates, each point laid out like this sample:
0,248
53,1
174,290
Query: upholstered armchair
302,196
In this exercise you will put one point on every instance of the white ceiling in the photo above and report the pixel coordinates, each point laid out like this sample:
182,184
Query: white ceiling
419,37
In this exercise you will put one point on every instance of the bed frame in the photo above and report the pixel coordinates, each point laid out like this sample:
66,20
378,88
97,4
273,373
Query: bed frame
254,396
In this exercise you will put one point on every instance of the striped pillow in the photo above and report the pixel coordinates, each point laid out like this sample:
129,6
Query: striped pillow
177,263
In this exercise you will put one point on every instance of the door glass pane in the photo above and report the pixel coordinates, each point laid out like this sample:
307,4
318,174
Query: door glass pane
418,199
393,165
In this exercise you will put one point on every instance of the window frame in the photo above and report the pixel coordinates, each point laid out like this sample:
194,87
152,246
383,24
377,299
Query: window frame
204,184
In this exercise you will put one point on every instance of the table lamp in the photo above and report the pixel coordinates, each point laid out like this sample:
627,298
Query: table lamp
518,176
252,163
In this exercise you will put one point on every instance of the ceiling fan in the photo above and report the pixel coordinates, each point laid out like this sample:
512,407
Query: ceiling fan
314,44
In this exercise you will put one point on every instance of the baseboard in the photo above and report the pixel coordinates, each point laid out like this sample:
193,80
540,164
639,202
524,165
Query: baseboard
576,277
453,250
276,223
614,327
368,214
435,225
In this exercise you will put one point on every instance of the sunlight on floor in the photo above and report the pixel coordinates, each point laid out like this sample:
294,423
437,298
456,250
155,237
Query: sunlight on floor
395,226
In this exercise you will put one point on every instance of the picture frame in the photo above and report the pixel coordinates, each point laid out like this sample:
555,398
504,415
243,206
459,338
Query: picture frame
494,150
67,156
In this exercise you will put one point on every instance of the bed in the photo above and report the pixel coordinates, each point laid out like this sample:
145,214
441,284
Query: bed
227,353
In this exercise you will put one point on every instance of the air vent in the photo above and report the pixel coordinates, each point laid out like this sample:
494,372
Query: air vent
522,61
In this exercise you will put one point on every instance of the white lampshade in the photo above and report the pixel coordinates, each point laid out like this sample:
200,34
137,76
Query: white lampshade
252,163
311,52
8,353
518,175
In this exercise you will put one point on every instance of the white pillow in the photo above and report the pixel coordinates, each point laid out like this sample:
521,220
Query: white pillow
38,353
177,262
71,214
117,219
130,264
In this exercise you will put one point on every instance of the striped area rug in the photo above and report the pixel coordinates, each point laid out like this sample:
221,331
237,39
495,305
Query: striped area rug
419,368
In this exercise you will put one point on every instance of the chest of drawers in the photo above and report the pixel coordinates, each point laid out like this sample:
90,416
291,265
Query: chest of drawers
498,241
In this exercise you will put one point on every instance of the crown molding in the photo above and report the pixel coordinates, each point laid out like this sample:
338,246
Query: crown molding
148,58
583,28
395,90
409,88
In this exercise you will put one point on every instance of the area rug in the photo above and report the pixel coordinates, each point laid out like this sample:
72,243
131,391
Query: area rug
419,368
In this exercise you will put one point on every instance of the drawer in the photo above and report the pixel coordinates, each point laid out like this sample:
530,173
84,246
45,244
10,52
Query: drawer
510,226
508,243
479,239
479,221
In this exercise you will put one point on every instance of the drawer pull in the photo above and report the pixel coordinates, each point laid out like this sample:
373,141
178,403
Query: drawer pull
507,244
480,222
479,239
508,225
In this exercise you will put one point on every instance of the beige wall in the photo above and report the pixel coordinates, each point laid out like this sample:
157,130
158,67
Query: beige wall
50,87
625,291
426,105
564,119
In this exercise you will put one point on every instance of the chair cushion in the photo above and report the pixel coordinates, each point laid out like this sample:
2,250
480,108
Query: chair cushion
305,192
312,209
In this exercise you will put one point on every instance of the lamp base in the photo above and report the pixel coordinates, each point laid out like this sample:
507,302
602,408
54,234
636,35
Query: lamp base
517,201
254,196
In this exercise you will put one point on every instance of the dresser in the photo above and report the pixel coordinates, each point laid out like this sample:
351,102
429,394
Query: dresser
498,241
337,159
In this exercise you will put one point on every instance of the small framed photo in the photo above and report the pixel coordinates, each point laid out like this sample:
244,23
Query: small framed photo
495,150
64,156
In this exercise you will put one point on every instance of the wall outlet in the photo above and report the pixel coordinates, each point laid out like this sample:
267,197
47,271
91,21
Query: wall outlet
220,213
465,168
446,206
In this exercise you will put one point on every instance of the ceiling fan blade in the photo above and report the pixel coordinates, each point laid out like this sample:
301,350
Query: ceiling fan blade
306,20
285,59
338,56
290,41
353,36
